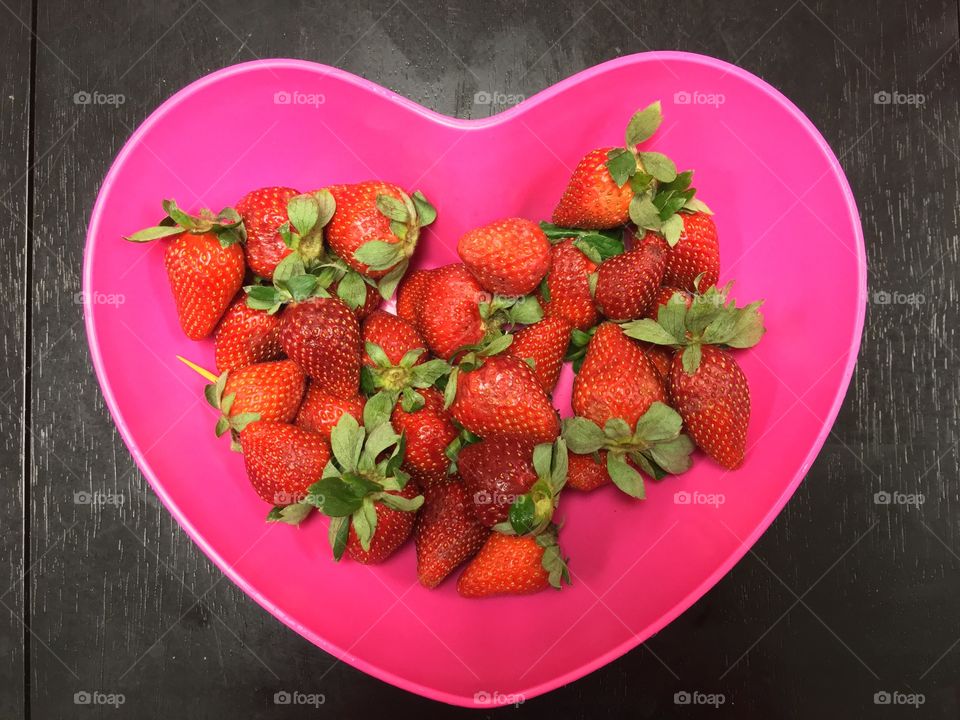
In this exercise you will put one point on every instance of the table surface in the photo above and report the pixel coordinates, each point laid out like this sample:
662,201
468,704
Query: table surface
842,598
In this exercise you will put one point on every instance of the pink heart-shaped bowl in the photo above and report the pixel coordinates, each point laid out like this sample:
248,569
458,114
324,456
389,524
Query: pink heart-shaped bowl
789,232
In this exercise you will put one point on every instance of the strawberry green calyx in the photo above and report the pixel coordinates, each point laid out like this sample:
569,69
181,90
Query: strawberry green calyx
408,216
655,445
532,513
364,470
227,423
711,319
400,381
291,283
308,214
577,349
452,451
553,561
470,357
227,225
656,206
598,245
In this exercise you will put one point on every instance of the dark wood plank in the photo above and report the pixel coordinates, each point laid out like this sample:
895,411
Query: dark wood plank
15,64
115,593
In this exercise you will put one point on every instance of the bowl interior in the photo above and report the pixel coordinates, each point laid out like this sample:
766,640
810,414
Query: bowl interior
789,233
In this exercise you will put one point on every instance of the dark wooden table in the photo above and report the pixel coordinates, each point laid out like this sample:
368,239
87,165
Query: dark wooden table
842,598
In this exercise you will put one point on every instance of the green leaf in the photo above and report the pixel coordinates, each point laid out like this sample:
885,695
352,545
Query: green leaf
338,534
426,213
154,233
649,331
659,423
498,345
603,246
376,411
289,267
543,459
393,208
302,287
303,211
365,523
290,514
222,426
388,283
336,496
749,327
659,166
672,317
378,254
617,429
624,476
691,358
450,391
398,502
184,220
523,515
695,205
673,455
526,311
583,436
672,229
346,441
376,353
240,421
326,205
426,374
545,289
561,465
643,124
352,290
621,164
379,439
410,400
644,213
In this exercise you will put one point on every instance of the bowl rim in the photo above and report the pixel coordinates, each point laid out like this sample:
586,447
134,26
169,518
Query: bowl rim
707,583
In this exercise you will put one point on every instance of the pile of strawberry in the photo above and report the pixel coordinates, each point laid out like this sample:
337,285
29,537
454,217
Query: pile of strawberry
437,421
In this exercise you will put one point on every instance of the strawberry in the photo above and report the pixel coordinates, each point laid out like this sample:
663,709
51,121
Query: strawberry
410,293
320,411
714,402
706,383
449,314
282,460
447,533
393,335
628,284
370,501
502,397
567,293
592,198
427,432
376,226
661,358
587,472
696,253
371,301
496,472
514,565
246,336
616,380
508,257
204,262
323,337
544,343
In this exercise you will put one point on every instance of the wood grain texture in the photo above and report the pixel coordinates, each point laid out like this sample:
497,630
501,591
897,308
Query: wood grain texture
841,598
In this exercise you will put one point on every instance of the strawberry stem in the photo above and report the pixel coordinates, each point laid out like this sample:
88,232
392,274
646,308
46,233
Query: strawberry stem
204,373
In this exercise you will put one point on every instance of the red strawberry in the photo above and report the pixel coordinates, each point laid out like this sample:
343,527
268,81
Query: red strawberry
282,460
323,337
586,473
568,286
616,380
396,337
272,390
427,432
376,212
410,294
627,284
593,200
714,402
447,533
246,336
393,528
697,252
263,212
545,343
508,257
661,358
514,565
664,296
320,411
449,314
496,472
504,398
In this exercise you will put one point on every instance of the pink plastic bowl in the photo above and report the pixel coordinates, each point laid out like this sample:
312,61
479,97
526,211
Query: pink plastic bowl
790,234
